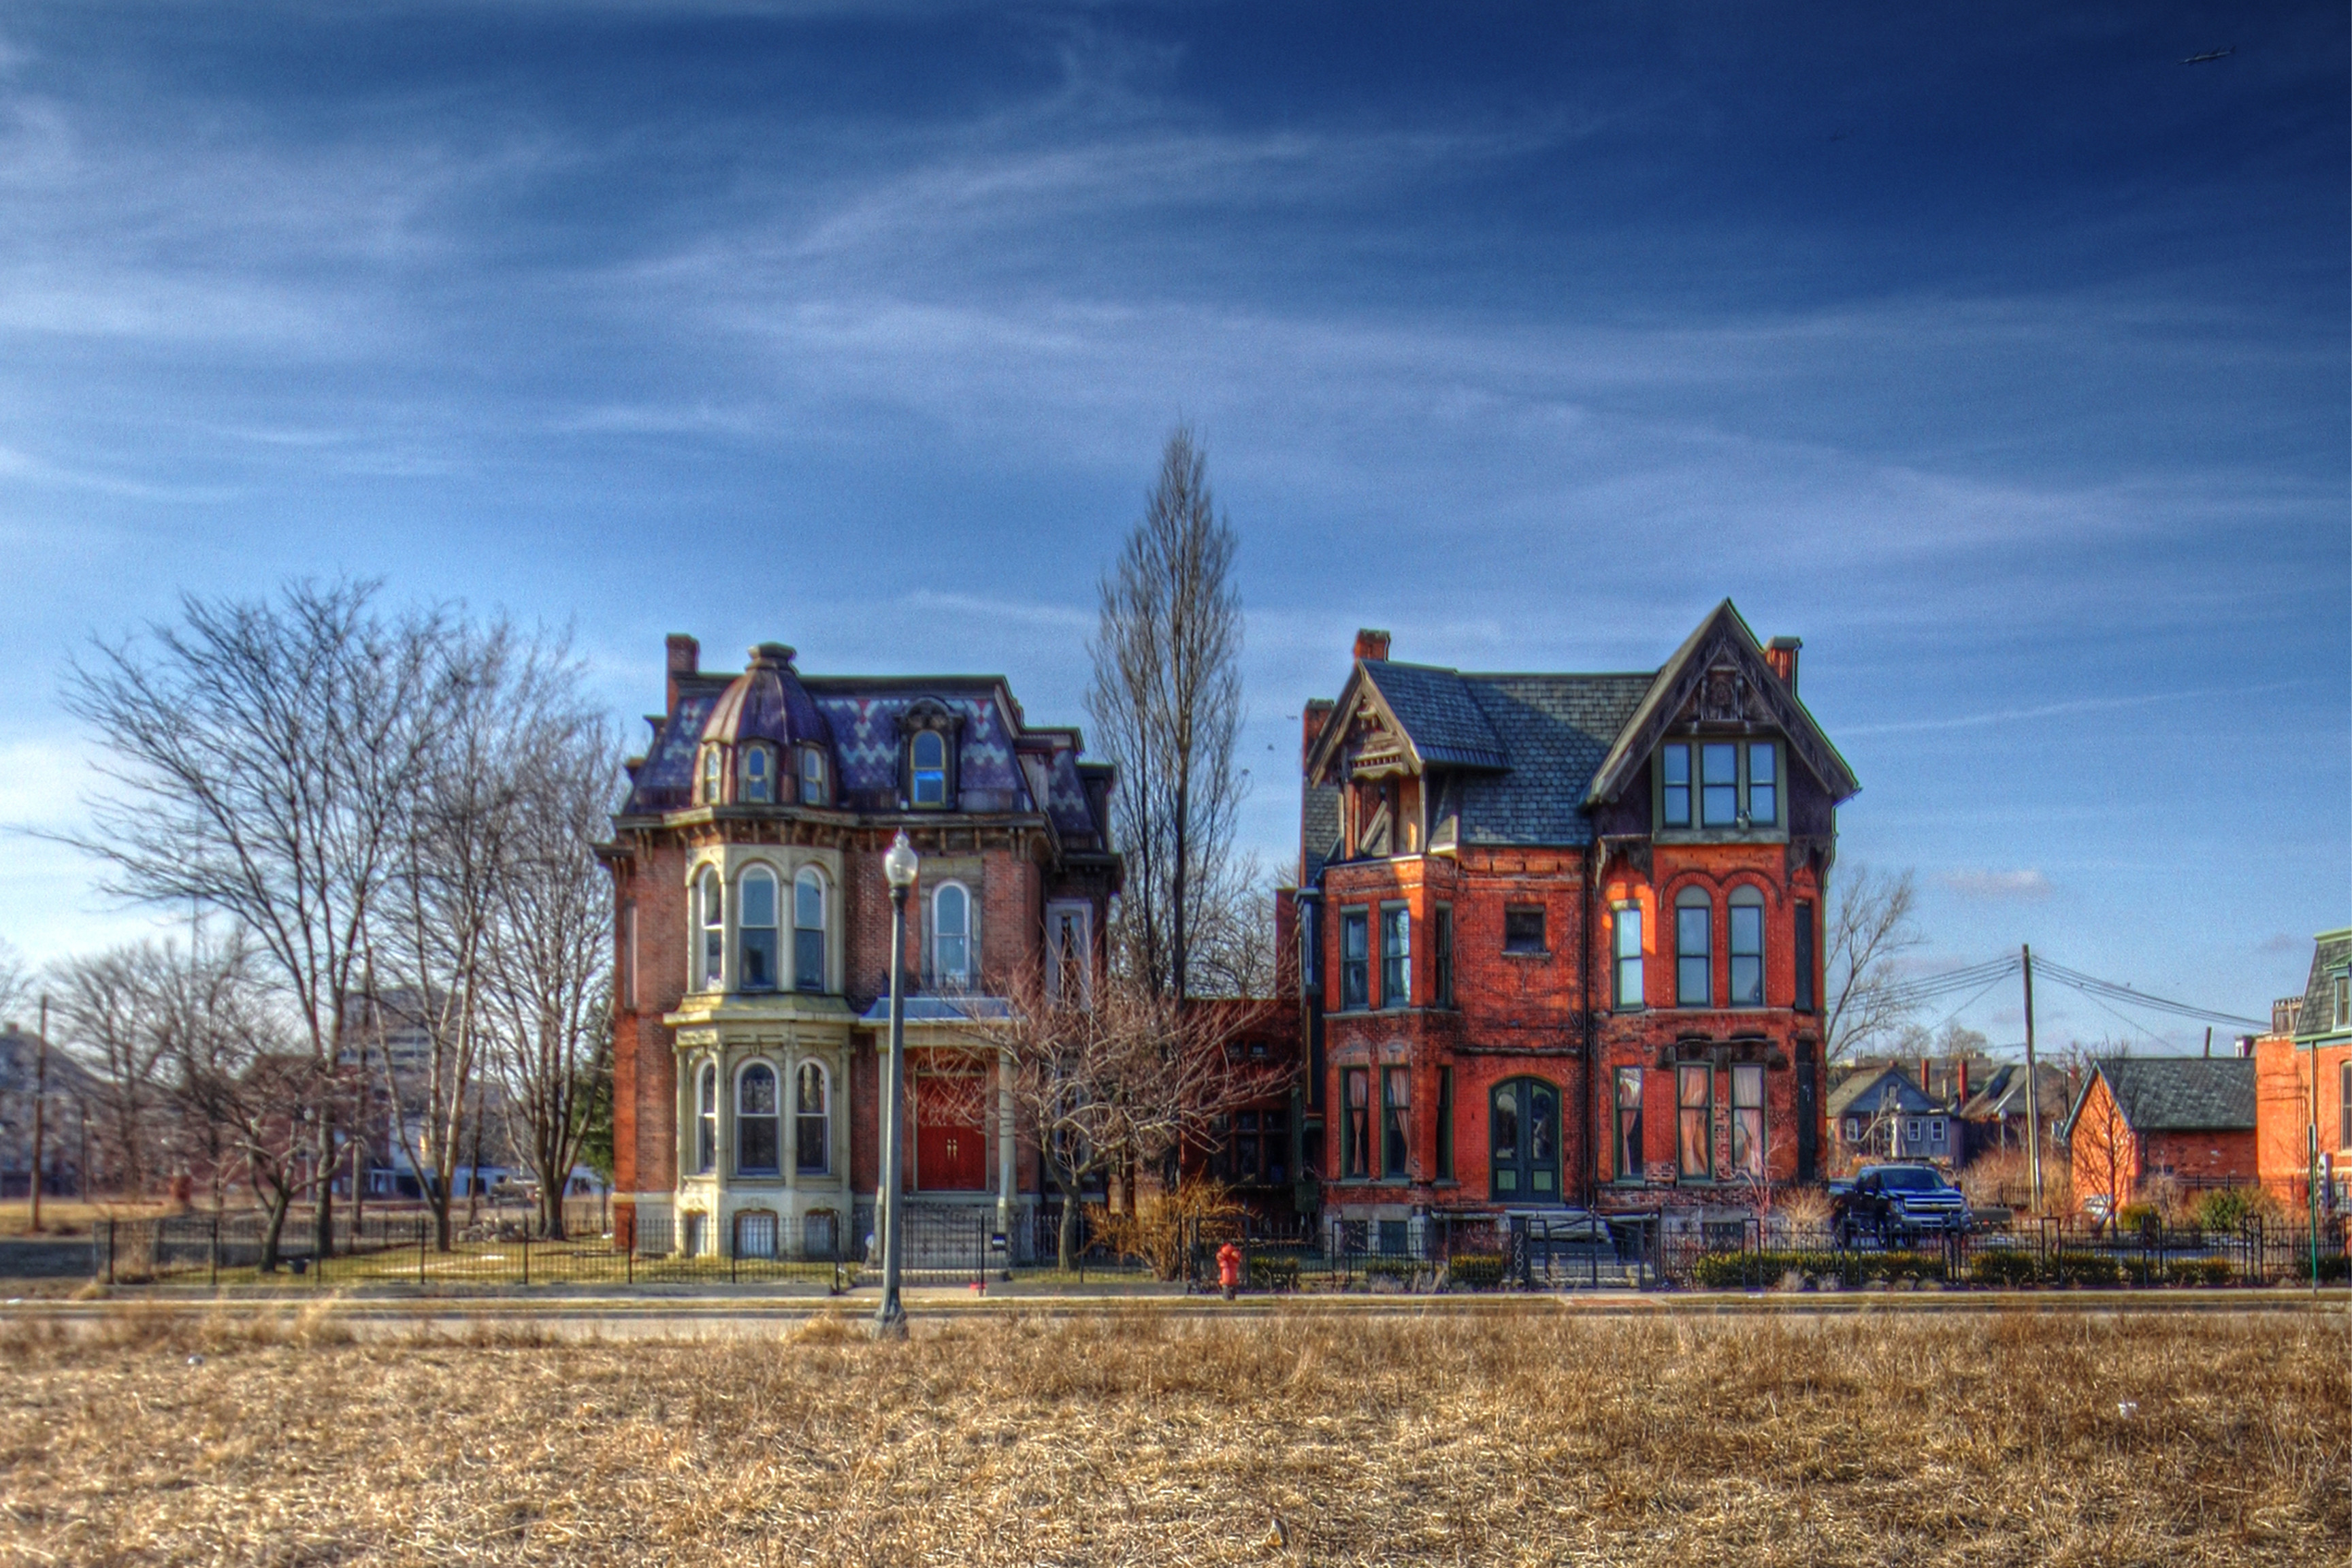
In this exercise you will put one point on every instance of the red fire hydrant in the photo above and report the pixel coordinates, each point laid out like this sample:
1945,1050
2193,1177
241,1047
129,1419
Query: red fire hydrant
1229,1269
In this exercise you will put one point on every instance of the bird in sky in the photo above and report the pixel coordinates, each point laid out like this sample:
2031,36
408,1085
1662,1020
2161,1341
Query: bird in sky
2210,55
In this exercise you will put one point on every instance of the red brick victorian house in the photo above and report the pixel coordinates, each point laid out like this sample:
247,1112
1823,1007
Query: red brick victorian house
1561,933
753,935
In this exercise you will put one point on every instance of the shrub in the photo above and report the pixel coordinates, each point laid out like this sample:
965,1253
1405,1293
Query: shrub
2200,1271
2133,1219
2332,1269
2006,1268
1734,1270
2227,1208
2087,1269
1476,1271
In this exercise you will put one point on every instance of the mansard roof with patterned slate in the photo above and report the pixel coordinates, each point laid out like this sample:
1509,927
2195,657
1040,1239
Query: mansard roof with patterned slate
2331,954
2180,1094
858,719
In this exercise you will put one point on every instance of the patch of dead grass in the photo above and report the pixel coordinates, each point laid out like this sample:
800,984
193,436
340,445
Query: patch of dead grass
1303,1438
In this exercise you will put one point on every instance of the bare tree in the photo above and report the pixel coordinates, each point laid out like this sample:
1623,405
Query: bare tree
1233,935
118,1012
1869,928
1121,1080
553,941
15,982
258,756
1166,705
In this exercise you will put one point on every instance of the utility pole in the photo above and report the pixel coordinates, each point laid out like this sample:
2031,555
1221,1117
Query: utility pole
40,1108
2032,1088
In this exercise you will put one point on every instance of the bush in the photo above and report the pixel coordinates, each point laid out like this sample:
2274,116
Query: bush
2228,1208
2133,1219
2006,1268
2200,1271
1476,1271
2333,1271
2087,1269
1735,1270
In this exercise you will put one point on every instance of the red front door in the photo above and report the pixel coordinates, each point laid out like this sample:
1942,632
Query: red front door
950,1136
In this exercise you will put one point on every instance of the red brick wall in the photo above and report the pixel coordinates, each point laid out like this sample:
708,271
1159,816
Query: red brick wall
644,1068
2283,1097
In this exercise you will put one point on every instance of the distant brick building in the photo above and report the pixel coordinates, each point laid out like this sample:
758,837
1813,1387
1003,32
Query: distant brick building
753,921
2303,1073
1563,931
2190,1119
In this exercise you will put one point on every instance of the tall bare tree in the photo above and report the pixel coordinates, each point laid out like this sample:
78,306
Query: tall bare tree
1232,932
258,756
15,982
552,942
1166,706
119,1012
1869,928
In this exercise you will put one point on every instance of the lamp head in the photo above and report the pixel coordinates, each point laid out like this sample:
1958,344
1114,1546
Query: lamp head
899,865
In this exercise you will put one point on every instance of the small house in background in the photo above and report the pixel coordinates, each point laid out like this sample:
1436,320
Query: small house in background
1993,1119
2302,1078
2189,1119
1881,1114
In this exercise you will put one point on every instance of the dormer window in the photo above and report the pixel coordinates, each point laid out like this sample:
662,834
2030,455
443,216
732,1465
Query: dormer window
710,776
815,789
926,767
759,775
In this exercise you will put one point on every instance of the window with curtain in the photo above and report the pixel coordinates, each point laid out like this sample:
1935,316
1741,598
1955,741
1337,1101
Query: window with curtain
1631,1157
755,931
1396,1102
1748,1120
706,1122
1628,922
952,935
759,1141
808,929
1356,1151
1694,1117
711,964
1694,949
812,1121
1747,947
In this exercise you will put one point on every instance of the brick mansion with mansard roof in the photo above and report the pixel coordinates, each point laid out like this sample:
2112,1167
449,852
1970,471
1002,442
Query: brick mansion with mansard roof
752,927
1562,932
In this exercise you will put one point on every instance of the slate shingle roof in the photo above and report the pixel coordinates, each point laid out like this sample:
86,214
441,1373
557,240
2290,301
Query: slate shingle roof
1554,728
2182,1094
1318,829
2333,950
1868,1087
1440,715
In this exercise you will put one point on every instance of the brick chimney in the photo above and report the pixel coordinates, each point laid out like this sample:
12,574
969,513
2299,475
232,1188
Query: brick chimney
685,662
1960,1082
1927,1083
1372,645
1317,714
1781,655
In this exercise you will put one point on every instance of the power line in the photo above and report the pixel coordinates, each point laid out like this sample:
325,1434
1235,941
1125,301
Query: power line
2091,986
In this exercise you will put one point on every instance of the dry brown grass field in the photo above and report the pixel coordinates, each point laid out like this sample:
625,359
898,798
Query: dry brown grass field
1300,1438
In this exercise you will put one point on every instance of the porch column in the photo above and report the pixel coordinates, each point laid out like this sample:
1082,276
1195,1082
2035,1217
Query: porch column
723,1146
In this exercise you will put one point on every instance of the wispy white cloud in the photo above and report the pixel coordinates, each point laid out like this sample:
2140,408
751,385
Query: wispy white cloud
2029,885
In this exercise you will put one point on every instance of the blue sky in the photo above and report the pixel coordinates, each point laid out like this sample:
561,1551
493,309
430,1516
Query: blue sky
1993,349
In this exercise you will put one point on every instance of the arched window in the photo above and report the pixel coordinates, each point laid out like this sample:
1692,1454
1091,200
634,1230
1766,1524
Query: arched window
1747,947
814,788
711,960
1694,949
758,1139
952,935
706,1122
759,775
1523,1127
808,929
926,765
755,931
710,765
811,1122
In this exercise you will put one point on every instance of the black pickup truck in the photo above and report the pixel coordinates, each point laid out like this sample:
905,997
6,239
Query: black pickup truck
1895,1205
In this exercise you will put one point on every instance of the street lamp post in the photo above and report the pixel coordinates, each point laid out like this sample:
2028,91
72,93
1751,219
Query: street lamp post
899,866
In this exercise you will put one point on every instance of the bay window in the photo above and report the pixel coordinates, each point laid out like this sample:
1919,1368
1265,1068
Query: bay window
1396,956
758,1135
755,931
1355,960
